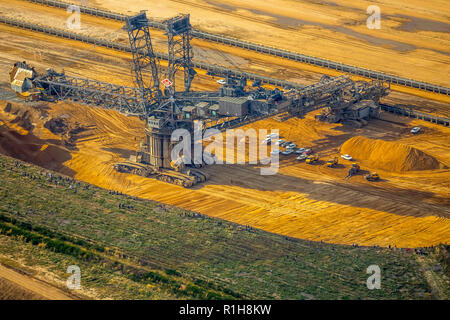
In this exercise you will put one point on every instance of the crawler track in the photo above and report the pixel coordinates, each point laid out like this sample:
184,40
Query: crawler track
266,50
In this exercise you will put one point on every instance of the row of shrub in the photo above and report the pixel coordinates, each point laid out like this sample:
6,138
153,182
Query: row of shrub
52,244
13,227
51,234
177,288
443,251
172,272
213,286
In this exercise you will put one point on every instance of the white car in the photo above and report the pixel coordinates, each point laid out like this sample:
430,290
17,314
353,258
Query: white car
278,142
291,146
221,81
272,135
267,141
300,150
346,156
415,130
302,157
287,152
275,152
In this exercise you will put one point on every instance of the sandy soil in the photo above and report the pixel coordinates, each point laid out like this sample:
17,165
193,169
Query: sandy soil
102,64
204,51
30,284
10,291
413,40
309,202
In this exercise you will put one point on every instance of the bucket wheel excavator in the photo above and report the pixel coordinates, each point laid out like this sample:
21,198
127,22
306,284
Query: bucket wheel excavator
162,114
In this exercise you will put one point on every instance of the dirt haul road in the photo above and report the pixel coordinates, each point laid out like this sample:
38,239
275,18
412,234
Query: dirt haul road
40,289
406,209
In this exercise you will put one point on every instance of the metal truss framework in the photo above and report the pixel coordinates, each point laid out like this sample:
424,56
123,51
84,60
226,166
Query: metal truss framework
127,100
179,48
62,87
337,93
145,62
327,90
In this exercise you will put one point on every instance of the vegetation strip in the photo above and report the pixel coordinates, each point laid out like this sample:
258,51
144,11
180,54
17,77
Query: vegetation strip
192,255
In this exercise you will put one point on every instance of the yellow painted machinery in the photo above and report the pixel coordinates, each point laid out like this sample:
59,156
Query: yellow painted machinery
333,162
373,176
312,159
21,80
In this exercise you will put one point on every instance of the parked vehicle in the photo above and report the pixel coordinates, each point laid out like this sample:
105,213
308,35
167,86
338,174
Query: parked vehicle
346,157
354,169
372,176
415,130
291,146
308,151
302,157
333,162
311,159
300,150
275,152
272,136
287,152
221,81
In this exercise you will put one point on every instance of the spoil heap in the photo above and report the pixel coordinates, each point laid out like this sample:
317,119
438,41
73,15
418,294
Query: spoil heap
31,149
19,130
390,156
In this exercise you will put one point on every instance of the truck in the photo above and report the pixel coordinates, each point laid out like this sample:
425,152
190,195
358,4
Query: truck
373,176
333,162
312,159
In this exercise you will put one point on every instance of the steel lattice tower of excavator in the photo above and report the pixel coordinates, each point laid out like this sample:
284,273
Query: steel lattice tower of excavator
180,51
145,62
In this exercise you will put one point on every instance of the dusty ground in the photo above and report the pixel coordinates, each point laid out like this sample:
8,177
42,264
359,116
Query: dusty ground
203,51
21,286
10,291
413,40
310,202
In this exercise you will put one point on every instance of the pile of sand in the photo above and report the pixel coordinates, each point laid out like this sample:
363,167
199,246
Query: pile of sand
31,149
390,156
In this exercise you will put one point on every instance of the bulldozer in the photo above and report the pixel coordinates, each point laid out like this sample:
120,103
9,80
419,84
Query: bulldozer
333,162
373,176
353,170
312,159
